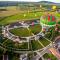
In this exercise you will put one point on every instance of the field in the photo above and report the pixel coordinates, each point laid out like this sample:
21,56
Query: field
23,16
10,10
35,45
22,32
39,44
20,17
35,29
12,46
44,41
49,56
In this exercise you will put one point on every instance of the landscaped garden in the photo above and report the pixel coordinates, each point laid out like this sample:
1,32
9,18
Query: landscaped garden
16,46
22,32
11,46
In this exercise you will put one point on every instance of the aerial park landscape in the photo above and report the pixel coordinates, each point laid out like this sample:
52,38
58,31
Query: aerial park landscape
29,31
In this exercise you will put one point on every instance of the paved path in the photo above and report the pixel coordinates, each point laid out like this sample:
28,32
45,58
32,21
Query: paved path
30,31
41,44
57,38
45,50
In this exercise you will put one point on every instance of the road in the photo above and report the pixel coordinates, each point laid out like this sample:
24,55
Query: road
41,53
55,53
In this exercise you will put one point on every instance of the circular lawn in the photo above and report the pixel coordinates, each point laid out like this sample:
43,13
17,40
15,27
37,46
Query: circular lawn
22,32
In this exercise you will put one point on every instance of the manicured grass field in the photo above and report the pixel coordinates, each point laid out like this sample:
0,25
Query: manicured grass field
22,32
44,41
57,15
20,17
24,16
35,45
36,28
49,56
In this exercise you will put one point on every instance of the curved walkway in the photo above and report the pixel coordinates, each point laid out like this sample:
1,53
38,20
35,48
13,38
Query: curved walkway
11,36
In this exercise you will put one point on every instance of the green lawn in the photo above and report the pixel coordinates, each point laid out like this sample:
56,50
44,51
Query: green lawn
35,45
57,15
48,35
44,41
10,44
59,22
51,56
13,56
23,46
3,40
55,34
20,17
36,28
22,32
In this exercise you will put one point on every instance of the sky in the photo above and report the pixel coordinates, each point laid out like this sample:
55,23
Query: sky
57,1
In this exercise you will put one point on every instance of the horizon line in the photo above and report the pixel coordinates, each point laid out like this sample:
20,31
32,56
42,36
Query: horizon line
29,1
